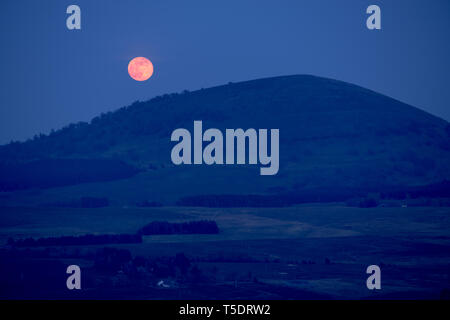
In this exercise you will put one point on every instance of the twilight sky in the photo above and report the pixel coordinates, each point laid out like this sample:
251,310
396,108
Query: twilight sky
51,76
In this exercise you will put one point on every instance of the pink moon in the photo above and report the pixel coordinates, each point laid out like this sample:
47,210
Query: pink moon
140,69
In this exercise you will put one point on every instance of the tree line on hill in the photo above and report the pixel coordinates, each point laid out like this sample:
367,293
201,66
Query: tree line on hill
49,173
437,190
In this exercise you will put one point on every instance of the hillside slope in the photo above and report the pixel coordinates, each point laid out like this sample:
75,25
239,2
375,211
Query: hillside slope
332,135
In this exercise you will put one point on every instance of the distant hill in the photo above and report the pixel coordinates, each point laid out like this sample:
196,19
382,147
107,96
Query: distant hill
333,135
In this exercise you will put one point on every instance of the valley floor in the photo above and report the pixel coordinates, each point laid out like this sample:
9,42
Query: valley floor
302,252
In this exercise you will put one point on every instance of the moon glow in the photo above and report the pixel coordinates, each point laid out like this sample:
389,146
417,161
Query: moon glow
140,69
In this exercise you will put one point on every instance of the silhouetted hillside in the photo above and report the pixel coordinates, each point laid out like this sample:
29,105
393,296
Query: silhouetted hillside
332,135
47,173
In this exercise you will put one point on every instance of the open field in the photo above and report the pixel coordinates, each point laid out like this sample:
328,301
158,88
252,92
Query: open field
309,251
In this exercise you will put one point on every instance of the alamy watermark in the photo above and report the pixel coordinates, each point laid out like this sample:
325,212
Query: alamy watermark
235,140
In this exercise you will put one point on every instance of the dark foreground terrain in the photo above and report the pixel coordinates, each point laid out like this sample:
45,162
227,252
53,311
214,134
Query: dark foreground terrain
302,252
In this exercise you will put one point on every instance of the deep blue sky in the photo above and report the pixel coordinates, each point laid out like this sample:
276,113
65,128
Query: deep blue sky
51,76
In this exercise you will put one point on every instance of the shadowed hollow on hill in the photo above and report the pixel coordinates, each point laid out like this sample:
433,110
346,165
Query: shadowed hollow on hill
332,135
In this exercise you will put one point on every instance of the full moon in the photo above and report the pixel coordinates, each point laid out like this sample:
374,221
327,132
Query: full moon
140,69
